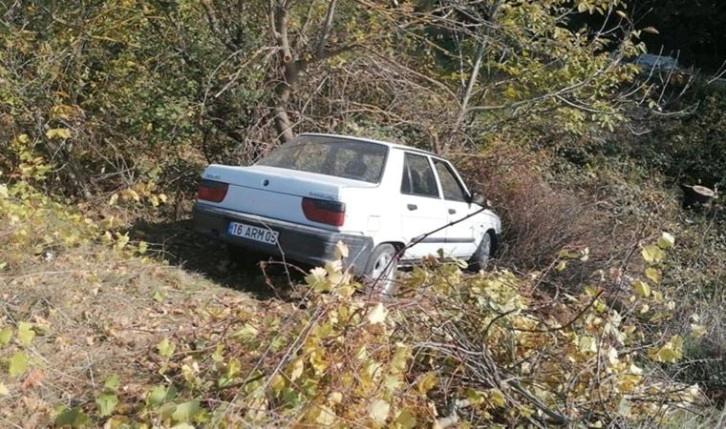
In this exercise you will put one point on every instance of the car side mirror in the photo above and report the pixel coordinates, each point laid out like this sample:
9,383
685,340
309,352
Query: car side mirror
477,198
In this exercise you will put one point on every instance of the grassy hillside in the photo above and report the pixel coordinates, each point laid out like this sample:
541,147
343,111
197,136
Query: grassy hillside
119,316
604,307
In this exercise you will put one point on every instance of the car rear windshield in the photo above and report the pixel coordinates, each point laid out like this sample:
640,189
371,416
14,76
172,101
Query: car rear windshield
332,156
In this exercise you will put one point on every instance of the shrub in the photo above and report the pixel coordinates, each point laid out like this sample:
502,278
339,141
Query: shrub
539,221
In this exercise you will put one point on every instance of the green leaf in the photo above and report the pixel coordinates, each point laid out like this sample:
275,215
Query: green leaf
641,288
247,333
18,364
73,417
25,333
6,334
185,412
587,344
653,274
497,397
106,403
158,395
166,348
652,253
666,241
427,382
111,384
404,420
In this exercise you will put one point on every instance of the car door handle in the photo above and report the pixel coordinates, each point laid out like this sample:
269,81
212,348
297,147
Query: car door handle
412,206
452,211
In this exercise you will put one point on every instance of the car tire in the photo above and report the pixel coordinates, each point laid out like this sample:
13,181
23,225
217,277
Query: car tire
480,259
380,271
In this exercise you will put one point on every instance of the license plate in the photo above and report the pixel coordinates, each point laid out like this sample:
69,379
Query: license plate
263,235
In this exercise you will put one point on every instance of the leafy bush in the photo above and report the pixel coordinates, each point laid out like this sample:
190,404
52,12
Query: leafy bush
452,348
539,221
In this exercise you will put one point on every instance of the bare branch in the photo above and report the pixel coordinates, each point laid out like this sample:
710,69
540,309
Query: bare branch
327,27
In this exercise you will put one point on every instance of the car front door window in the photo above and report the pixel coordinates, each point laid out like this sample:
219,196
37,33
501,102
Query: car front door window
453,190
461,233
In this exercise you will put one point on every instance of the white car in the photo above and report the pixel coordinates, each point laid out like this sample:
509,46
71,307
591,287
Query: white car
390,204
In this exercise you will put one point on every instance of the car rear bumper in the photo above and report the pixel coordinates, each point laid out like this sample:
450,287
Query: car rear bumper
299,243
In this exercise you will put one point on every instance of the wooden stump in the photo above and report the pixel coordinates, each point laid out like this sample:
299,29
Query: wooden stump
696,196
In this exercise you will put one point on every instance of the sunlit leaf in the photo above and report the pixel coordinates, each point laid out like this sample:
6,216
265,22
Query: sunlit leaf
377,315
6,334
652,253
341,250
247,333
426,382
666,241
296,369
641,288
17,364
25,333
404,420
325,416
399,362
159,394
587,344
4,390
106,403
497,397
698,331
111,384
60,133
378,411
165,348
186,411
653,274
335,398
671,352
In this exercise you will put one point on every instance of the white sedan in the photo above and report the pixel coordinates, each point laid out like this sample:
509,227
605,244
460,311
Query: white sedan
390,204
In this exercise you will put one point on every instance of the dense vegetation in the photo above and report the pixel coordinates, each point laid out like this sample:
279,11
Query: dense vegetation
604,307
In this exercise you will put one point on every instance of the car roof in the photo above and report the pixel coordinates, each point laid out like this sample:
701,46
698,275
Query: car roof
367,140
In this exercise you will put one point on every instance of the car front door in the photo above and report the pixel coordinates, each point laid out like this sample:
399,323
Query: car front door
461,234
423,212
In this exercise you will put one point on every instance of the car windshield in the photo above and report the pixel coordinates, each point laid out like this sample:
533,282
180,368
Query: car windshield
332,156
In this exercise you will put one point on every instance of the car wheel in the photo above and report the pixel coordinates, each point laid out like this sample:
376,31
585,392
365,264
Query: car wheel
381,270
480,259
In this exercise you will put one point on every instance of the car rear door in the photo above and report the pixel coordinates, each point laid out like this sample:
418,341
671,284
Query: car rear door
461,235
422,209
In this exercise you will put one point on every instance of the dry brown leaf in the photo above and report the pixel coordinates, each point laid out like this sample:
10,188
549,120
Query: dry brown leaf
34,379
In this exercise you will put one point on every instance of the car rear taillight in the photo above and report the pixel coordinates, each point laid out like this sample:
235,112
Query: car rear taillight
323,211
211,190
